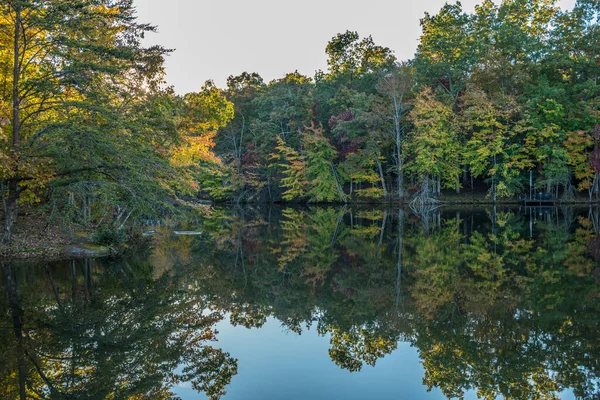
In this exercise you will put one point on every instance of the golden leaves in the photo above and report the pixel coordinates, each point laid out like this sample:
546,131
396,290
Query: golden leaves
194,150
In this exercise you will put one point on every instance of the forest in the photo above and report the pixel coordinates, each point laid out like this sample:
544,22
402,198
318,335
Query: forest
90,133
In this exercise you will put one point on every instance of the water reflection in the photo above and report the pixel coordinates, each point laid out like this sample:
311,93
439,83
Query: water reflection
88,330
502,302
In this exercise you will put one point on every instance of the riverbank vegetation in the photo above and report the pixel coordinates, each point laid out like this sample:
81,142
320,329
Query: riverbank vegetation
493,100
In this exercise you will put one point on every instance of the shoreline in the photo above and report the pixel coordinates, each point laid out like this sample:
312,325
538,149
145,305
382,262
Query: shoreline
36,239
443,200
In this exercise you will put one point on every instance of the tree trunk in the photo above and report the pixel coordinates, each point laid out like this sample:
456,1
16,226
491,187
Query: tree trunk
337,182
385,194
11,210
16,101
400,182
494,180
400,178
398,134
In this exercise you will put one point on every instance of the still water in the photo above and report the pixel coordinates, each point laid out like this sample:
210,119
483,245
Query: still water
317,303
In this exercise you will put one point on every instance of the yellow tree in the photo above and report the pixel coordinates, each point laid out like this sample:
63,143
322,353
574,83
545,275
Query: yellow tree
69,58
203,113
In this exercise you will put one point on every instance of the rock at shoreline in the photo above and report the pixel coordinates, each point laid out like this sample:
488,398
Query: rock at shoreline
86,250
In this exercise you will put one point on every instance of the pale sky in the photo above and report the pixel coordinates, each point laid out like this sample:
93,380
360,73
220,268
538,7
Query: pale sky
217,38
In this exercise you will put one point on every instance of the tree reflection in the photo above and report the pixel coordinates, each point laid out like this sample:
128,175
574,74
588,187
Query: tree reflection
93,331
502,302
491,305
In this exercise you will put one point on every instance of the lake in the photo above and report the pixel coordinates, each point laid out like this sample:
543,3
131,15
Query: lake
317,303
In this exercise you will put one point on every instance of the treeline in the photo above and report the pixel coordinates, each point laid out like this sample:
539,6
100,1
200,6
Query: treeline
489,97
89,129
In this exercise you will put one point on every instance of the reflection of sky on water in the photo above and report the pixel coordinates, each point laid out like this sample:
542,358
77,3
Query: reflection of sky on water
274,364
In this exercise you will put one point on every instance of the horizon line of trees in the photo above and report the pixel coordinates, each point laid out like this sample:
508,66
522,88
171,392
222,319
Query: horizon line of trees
491,98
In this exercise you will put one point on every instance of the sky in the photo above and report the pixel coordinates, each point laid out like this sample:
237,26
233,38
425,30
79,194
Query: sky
214,39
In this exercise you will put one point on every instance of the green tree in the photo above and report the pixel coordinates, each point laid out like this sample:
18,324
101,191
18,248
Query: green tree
432,147
324,181
293,167
348,54
445,52
391,110
491,152
73,58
